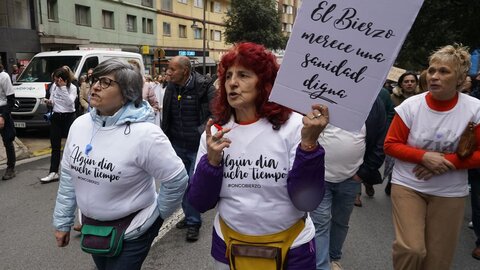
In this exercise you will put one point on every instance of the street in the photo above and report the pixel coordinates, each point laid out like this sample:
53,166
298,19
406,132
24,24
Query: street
27,240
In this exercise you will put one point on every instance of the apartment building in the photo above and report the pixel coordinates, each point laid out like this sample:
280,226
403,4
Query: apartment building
182,24
106,24
18,36
158,29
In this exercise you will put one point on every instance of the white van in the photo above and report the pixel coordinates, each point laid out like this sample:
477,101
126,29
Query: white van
31,85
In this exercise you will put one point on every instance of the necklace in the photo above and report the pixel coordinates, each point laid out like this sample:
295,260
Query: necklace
89,146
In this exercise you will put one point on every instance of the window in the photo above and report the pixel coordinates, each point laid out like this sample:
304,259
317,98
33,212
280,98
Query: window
287,9
166,29
147,26
167,5
147,3
215,35
91,62
216,7
182,31
131,23
107,17
183,1
198,3
82,15
289,27
52,10
197,33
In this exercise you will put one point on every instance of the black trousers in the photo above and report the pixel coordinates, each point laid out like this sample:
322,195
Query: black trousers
10,151
59,126
8,136
474,180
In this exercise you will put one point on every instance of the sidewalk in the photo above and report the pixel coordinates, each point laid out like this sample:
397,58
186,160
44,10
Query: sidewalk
32,148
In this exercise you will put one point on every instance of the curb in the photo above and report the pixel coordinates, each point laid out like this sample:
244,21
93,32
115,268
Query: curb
168,224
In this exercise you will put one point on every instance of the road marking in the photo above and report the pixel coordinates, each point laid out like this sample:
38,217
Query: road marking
168,224
42,152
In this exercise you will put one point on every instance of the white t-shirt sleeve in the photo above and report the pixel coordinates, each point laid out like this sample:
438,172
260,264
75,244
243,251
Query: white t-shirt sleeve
158,158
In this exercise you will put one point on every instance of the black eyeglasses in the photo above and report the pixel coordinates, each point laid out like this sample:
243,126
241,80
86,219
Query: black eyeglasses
104,82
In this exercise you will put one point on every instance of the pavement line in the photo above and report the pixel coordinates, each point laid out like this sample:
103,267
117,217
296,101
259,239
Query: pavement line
168,224
42,152
23,161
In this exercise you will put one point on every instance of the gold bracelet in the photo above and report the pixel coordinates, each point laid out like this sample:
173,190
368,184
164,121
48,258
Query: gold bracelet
308,147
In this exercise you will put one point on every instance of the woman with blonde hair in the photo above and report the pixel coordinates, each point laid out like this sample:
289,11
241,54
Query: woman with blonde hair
429,180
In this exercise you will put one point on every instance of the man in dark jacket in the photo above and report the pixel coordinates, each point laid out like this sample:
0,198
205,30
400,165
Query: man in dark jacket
7,129
350,158
185,112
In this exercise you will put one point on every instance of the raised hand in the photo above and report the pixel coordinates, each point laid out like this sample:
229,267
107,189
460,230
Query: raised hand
313,124
216,143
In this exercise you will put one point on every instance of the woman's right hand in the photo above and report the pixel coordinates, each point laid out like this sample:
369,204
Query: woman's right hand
436,163
63,238
313,124
216,143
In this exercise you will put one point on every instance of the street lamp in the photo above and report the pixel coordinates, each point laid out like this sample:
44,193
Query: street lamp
195,26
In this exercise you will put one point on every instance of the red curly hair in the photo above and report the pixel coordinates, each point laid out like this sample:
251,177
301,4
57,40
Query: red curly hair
264,64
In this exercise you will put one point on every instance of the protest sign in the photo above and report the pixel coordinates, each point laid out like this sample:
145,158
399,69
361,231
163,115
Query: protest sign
339,54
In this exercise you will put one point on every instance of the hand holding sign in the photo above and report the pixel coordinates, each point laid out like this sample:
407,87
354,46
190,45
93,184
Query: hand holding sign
340,53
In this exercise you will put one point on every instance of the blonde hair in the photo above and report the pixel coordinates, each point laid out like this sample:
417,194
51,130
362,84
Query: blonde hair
456,54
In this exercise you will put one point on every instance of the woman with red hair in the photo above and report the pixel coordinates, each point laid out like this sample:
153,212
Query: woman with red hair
261,165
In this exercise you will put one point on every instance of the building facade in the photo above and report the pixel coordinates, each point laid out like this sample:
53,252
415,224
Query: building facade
18,35
158,29
105,24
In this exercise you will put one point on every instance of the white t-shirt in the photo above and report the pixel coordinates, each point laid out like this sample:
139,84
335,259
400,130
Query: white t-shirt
435,131
115,178
5,87
254,199
63,98
344,151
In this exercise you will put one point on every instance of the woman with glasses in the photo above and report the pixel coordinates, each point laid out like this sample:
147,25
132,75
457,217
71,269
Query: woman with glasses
62,103
112,157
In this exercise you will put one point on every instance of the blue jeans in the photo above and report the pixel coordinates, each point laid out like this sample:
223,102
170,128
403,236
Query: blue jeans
192,216
331,220
133,252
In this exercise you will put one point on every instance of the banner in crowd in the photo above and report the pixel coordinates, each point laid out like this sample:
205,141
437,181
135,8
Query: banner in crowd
339,54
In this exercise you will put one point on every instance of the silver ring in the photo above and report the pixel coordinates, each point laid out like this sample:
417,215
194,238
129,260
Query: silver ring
318,115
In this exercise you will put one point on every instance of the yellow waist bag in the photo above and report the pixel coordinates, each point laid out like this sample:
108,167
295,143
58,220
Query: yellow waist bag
266,252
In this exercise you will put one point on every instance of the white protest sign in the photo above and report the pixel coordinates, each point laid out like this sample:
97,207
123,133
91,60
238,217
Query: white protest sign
340,53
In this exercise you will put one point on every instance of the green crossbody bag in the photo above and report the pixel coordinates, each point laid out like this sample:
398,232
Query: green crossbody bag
101,240
104,238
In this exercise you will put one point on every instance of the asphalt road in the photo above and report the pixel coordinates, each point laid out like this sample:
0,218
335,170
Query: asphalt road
27,241
367,247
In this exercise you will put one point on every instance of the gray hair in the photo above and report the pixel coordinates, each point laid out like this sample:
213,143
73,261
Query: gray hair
128,77
184,62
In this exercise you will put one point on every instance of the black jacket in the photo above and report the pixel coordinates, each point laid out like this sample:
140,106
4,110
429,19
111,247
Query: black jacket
191,106
8,132
374,156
